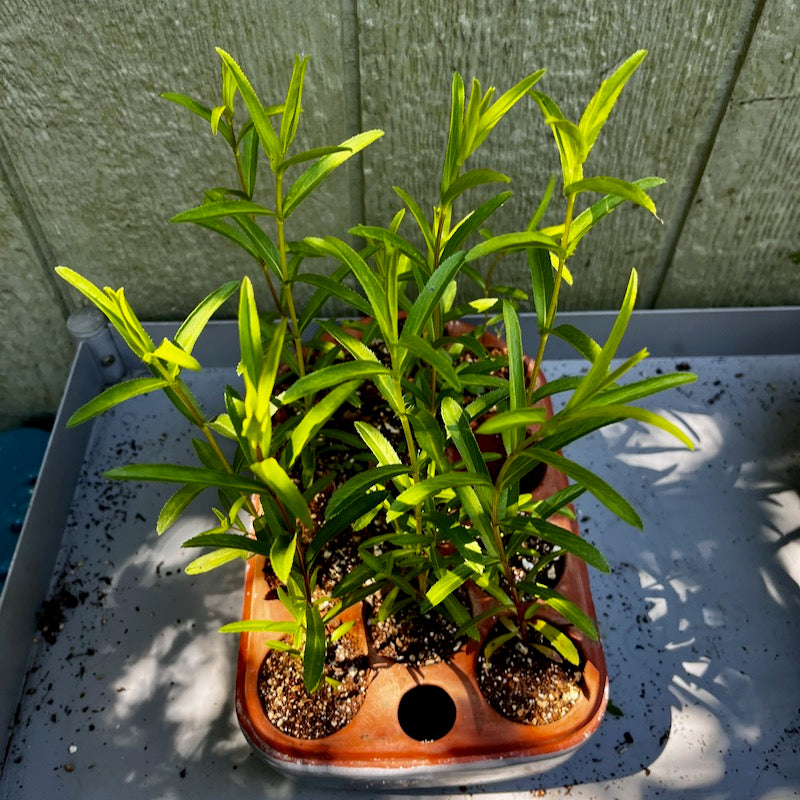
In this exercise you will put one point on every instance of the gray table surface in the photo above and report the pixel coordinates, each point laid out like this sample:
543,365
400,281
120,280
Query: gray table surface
699,617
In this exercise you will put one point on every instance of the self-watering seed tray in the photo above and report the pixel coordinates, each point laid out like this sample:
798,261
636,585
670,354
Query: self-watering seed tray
422,724
127,690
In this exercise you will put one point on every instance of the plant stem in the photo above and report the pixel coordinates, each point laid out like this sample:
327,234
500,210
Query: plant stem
553,307
287,286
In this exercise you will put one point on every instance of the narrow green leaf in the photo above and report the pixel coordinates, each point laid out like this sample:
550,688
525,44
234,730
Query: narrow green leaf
284,488
372,287
176,505
431,294
378,444
334,375
360,484
568,138
115,394
173,473
317,172
454,137
360,351
583,343
229,541
542,283
508,420
560,641
599,107
616,412
599,370
513,243
259,626
566,540
544,203
222,208
419,492
258,114
587,219
314,651
329,287
517,390
419,217
342,518
493,114
475,177
643,388
446,584
248,148
570,611
190,330
172,354
250,332
201,111
388,239
430,437
471,223
212,560
291,108
460,432
613,186
428,354
597,486
310,155
318,415
281,555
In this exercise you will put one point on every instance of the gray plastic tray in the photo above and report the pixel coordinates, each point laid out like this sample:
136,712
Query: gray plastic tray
134,697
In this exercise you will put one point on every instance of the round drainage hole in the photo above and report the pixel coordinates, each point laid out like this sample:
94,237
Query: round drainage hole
426,713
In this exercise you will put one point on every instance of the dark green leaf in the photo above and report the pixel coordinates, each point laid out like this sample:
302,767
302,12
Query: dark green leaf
171,473
176,505
422,310
230,541
334,375
598,487
314,651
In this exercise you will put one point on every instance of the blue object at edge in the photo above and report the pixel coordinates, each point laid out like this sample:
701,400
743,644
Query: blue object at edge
21,454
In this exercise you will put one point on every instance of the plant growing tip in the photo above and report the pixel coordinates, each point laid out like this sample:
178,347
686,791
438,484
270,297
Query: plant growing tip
414,438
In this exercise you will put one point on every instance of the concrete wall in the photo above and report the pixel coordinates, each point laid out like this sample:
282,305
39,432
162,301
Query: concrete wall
94,163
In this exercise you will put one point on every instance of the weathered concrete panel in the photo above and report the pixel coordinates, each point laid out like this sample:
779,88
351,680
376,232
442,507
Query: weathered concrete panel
35,348
660,126
741,241
106,162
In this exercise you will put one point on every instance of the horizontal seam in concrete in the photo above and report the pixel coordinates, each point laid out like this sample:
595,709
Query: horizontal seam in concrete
33,228
687,201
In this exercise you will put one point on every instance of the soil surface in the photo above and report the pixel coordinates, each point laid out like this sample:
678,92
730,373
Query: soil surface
291,709
526,686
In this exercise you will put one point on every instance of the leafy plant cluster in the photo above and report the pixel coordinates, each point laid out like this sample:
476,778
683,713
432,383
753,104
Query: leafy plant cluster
435,507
